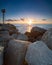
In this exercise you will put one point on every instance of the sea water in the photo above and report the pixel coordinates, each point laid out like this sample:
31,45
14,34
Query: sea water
27,28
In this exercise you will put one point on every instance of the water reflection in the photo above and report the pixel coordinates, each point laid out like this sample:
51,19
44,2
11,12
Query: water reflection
24,28
29,27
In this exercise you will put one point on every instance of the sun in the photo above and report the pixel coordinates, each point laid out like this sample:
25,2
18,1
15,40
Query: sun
30,22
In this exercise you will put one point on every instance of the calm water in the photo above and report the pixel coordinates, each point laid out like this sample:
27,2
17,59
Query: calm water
24,27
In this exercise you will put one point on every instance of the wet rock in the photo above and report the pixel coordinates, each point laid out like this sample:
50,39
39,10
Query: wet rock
39,54
47,38
16,52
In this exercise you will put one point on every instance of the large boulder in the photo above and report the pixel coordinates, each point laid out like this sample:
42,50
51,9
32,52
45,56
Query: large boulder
22,37
35,34
1,55
47,38
37,29
16,52
38,54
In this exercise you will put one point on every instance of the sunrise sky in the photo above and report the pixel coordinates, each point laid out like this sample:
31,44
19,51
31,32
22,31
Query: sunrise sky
22,11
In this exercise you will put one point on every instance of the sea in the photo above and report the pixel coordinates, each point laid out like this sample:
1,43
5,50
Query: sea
27,28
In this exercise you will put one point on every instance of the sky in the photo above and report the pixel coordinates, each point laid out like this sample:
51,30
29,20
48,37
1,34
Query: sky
21,10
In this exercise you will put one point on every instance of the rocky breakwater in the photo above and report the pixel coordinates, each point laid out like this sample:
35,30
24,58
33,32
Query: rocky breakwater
16,50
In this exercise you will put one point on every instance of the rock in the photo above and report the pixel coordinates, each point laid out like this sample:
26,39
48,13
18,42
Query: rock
22,37
35,34
47,38
38,54
9,27
4,37
14,36
12,29
1,55
16,52
4,34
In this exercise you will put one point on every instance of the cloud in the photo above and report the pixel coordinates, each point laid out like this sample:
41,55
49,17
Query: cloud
22,19
9,20
44,19
16,20
48,20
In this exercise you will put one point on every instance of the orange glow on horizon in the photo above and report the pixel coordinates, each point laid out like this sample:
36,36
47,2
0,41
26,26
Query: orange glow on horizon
30,21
